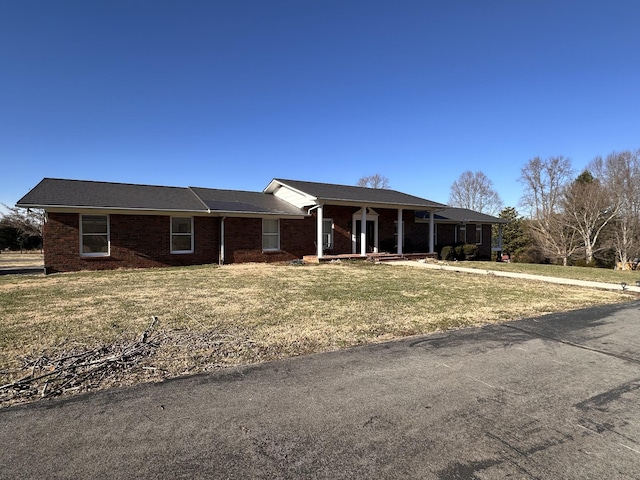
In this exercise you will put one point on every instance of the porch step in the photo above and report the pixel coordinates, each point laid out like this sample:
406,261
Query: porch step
371,257
384,257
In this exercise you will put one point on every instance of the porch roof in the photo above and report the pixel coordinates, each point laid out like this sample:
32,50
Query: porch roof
461,215
346,194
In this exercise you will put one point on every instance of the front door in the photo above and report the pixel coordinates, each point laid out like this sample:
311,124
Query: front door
371,240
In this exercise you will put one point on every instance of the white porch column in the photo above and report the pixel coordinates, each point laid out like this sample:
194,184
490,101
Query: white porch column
221,256
363,232
500,237
431,232
319,239
400,231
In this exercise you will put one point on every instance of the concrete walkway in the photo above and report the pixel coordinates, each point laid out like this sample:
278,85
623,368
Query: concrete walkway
452,267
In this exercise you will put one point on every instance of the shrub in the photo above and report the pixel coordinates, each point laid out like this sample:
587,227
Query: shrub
447,253
470,251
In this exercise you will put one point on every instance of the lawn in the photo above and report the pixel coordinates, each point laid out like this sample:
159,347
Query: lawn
210,317
21,260
579,273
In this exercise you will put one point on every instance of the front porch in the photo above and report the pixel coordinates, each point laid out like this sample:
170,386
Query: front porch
369,257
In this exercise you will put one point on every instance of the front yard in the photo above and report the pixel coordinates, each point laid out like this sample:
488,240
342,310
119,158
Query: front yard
210,317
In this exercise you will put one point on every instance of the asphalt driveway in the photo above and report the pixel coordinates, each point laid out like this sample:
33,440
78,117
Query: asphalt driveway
547,398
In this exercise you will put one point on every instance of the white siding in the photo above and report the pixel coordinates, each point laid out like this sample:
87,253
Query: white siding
293,197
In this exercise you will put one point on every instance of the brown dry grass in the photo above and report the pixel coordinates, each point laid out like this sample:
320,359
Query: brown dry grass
211,317
21,260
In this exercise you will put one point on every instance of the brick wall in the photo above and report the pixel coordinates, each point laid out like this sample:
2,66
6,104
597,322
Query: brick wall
243,240
137,241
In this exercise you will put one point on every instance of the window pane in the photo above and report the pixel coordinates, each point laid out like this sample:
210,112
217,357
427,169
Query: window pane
269,242
94,224
181,225
95,244
270,226
180,243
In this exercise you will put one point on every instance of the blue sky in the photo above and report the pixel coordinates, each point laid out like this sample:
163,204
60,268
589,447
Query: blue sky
232,94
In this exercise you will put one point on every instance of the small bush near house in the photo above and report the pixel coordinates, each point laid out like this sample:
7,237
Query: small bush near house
470,251
447,253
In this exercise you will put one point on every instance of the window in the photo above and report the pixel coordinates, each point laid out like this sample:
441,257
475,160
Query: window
327,233
463,234
181,235
478,234
395,234
94,235
270,234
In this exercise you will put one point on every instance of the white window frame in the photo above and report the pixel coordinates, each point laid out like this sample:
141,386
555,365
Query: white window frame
478,234
327,236
270,234
180,234
82,235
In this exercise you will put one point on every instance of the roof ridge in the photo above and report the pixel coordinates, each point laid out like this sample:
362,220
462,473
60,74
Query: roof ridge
112,183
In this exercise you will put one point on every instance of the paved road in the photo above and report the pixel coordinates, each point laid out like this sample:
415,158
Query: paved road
547,398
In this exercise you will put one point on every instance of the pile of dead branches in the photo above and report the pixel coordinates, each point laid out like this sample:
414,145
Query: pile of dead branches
77,370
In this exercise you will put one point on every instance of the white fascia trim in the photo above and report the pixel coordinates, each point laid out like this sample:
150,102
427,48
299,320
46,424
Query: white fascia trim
188,213
85,208
394,206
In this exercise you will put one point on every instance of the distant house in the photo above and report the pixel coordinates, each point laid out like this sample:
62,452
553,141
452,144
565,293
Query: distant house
100,225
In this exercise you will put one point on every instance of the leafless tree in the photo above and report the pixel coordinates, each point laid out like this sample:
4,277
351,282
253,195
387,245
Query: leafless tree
589,208
545,183
28,223
620,174
473,190
374,181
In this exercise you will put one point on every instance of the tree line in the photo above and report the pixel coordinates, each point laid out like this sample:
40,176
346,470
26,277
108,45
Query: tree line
592,218
21,229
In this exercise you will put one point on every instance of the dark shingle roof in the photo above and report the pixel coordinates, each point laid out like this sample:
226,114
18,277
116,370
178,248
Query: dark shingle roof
462,215
53,192
245,202
348,193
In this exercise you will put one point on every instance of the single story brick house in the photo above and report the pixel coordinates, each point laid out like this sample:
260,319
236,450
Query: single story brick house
94,225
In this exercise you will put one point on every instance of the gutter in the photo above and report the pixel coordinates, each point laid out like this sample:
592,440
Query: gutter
221,254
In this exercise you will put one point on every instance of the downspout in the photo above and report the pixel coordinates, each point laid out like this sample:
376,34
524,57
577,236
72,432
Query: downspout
221,256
